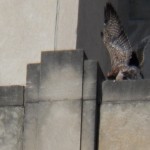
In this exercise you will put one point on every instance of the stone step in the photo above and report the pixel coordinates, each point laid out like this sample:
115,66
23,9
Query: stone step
61,75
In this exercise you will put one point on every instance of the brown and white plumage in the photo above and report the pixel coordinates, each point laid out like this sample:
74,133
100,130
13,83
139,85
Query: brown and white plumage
119,48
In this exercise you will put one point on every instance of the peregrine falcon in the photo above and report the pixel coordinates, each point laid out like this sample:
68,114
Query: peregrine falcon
126,63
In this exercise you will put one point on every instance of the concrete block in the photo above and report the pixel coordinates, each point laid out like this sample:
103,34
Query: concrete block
11,128
11,95
90,80
30,127
126,90
33,81
88,125
59,125
61,75
53,125
125,126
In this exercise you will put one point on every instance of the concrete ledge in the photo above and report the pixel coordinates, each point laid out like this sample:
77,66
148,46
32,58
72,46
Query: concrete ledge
33,81
126,90
88,125
11,95
90,80
61,75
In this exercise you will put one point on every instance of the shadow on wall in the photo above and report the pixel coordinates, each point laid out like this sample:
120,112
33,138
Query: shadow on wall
136,18
90,24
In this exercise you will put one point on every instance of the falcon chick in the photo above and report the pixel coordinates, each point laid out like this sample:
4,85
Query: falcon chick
126,63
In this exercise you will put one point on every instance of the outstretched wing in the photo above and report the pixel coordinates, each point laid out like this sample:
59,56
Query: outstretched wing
115,38
139,50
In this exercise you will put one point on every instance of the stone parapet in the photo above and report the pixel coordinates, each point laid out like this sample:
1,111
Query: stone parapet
124,115
11,95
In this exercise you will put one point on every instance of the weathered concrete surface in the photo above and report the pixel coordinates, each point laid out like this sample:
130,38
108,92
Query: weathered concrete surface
88,125
33,83
66,28
61,75
30,127
53,125
124,115
126,90
125,126
11,128
27,28
90,80
11,95
90,103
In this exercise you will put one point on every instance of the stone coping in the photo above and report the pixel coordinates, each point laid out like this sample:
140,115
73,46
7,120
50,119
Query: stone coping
131,90
11,95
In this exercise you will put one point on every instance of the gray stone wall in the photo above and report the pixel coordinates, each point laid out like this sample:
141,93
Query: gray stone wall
124,115
11,118
57,107
60,102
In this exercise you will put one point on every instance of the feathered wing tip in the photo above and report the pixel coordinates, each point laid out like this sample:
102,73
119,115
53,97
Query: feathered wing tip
111,19
140,50
140,56
116,31
109,12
